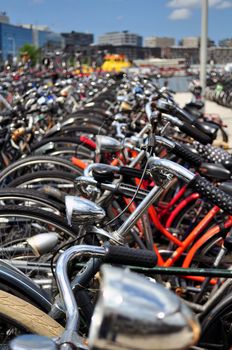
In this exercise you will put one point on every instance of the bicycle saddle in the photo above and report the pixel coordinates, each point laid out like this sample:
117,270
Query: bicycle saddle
226,187
195,104
228,243
208,128
228,164
215,171
194,112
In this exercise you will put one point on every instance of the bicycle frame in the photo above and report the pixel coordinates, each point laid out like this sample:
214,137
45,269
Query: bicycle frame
156,218
182,246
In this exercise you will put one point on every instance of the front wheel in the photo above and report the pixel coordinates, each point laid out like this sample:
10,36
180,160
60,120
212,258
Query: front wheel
17,224
19,317
216,326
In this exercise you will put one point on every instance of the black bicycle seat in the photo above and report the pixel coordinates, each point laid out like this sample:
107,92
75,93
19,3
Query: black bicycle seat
228,243
208,128
195,104
215,171
228,164
226,187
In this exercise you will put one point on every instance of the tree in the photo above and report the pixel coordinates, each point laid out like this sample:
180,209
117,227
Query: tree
30,52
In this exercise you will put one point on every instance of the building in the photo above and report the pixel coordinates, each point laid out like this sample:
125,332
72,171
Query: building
225,42
43,37
194,42
97,52
120,38
48,40
190,41
190,54
155,41
74,40
4,18
36,27
13,37
220,55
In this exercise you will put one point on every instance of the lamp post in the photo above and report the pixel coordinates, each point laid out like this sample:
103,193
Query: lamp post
204,41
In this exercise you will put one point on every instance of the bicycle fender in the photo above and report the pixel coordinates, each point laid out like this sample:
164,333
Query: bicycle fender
14,278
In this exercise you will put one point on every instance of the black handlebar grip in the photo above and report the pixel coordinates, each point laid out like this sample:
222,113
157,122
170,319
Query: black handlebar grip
130,256
195,133
127,171
185,153
212,193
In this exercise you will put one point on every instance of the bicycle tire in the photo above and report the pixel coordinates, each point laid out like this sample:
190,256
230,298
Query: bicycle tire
27,316
85,129
17,224
43,215
211,324
37,160
58,139
26,195
20,223
183,215
44,176
65,147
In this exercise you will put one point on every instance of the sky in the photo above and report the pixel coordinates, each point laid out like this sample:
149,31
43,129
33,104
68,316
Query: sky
175,18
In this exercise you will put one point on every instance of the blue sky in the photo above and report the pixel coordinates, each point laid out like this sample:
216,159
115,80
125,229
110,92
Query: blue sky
175,18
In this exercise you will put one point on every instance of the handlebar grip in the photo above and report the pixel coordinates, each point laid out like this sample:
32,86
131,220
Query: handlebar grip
212,193
186,154
127,171
195,133
130,256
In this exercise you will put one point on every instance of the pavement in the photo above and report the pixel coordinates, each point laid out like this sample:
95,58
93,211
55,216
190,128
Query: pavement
210,107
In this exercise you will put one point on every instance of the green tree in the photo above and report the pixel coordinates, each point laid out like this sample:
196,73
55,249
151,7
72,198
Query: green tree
30,51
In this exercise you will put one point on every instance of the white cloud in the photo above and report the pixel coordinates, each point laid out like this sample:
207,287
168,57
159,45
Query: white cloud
180,14
215,3
183,3
119,18
182,9
224,5
197,3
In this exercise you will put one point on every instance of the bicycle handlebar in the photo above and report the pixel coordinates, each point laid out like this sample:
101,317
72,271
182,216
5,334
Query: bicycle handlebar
171,168
180,150
186,154
195,133
196,182
212,193
188,129
130,256
121,255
